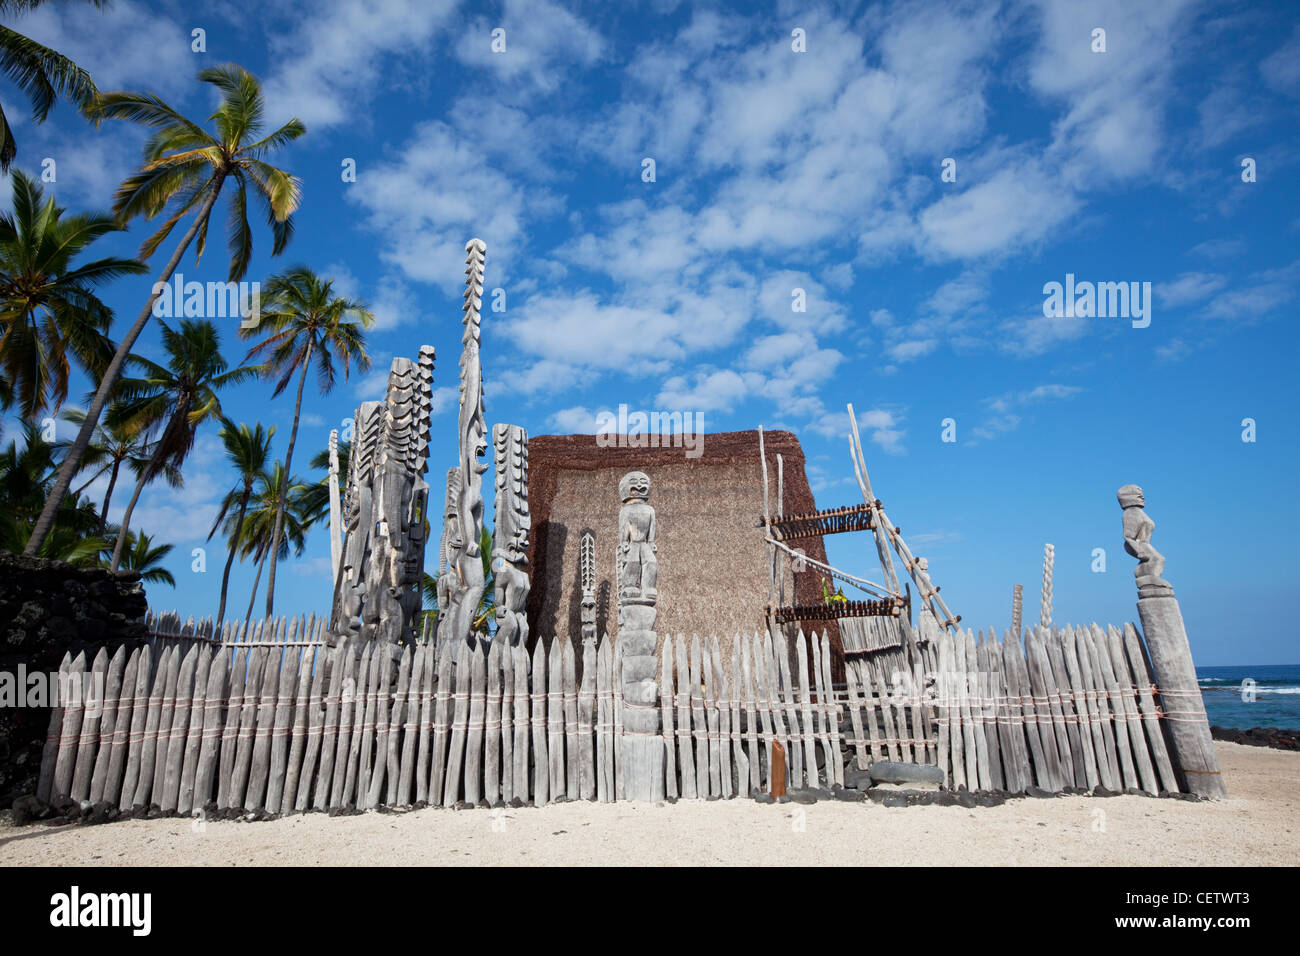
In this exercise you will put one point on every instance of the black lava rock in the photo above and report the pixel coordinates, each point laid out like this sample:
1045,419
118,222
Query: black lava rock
48,608
888,771
1275,737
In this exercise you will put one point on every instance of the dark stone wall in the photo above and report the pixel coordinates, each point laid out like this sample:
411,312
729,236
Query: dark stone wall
48,608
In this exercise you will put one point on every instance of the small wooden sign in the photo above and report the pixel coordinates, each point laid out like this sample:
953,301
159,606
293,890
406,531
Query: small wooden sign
778,770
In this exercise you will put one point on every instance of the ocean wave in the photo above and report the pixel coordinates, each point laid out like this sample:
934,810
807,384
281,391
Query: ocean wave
1219,693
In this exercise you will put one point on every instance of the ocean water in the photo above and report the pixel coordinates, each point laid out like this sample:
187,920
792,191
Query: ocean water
1276,696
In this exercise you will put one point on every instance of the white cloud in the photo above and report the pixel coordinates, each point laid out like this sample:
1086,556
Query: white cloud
1005,413
1225,113
643,244
1028,337
1173,350
319,567
333,60
1224,248
443,398
953,314
1016,206
576,420
719,390
372,386
1263,294
936,56
1189,287
392,302
882,426
543,42
124,46
908,350
1281,69
583,329
1113,124
181,516
432,197
821,314
1251,303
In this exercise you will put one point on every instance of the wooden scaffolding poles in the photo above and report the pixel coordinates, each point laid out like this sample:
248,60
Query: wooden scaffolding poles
885,531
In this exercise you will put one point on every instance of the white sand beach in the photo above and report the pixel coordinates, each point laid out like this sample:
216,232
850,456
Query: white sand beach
1258,825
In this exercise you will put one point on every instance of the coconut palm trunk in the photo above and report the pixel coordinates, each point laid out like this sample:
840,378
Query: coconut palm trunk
78,492
153,468
284,485
230,558
73,458
252,598
108,496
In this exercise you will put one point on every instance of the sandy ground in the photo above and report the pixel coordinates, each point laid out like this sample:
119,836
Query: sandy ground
1259,825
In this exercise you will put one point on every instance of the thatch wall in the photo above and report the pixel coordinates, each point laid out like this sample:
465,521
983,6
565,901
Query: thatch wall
714,566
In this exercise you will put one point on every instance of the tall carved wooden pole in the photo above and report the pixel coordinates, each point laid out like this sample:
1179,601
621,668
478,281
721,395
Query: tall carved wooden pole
1193,754
377,589
449,554
638,576
510,542
587,567
1049,560
357,522
336,517
472,438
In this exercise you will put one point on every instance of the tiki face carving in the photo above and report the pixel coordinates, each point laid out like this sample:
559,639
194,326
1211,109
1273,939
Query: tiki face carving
1130,496
1138,528
634,486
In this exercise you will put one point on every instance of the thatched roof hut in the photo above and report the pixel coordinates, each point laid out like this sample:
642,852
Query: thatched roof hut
714,566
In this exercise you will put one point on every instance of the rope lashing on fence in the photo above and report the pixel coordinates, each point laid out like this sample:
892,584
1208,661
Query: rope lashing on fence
356,724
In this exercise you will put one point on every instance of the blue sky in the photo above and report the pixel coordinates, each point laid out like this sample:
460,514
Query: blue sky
778,170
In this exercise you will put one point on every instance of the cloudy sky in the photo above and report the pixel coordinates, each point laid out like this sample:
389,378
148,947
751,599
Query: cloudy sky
799,154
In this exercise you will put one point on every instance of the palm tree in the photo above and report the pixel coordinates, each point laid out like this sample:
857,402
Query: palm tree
486,612
26,473
176,398
306,325
41,73
316,499
48,308
249,451
141,555
110,449
259,523
428,598
185,168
